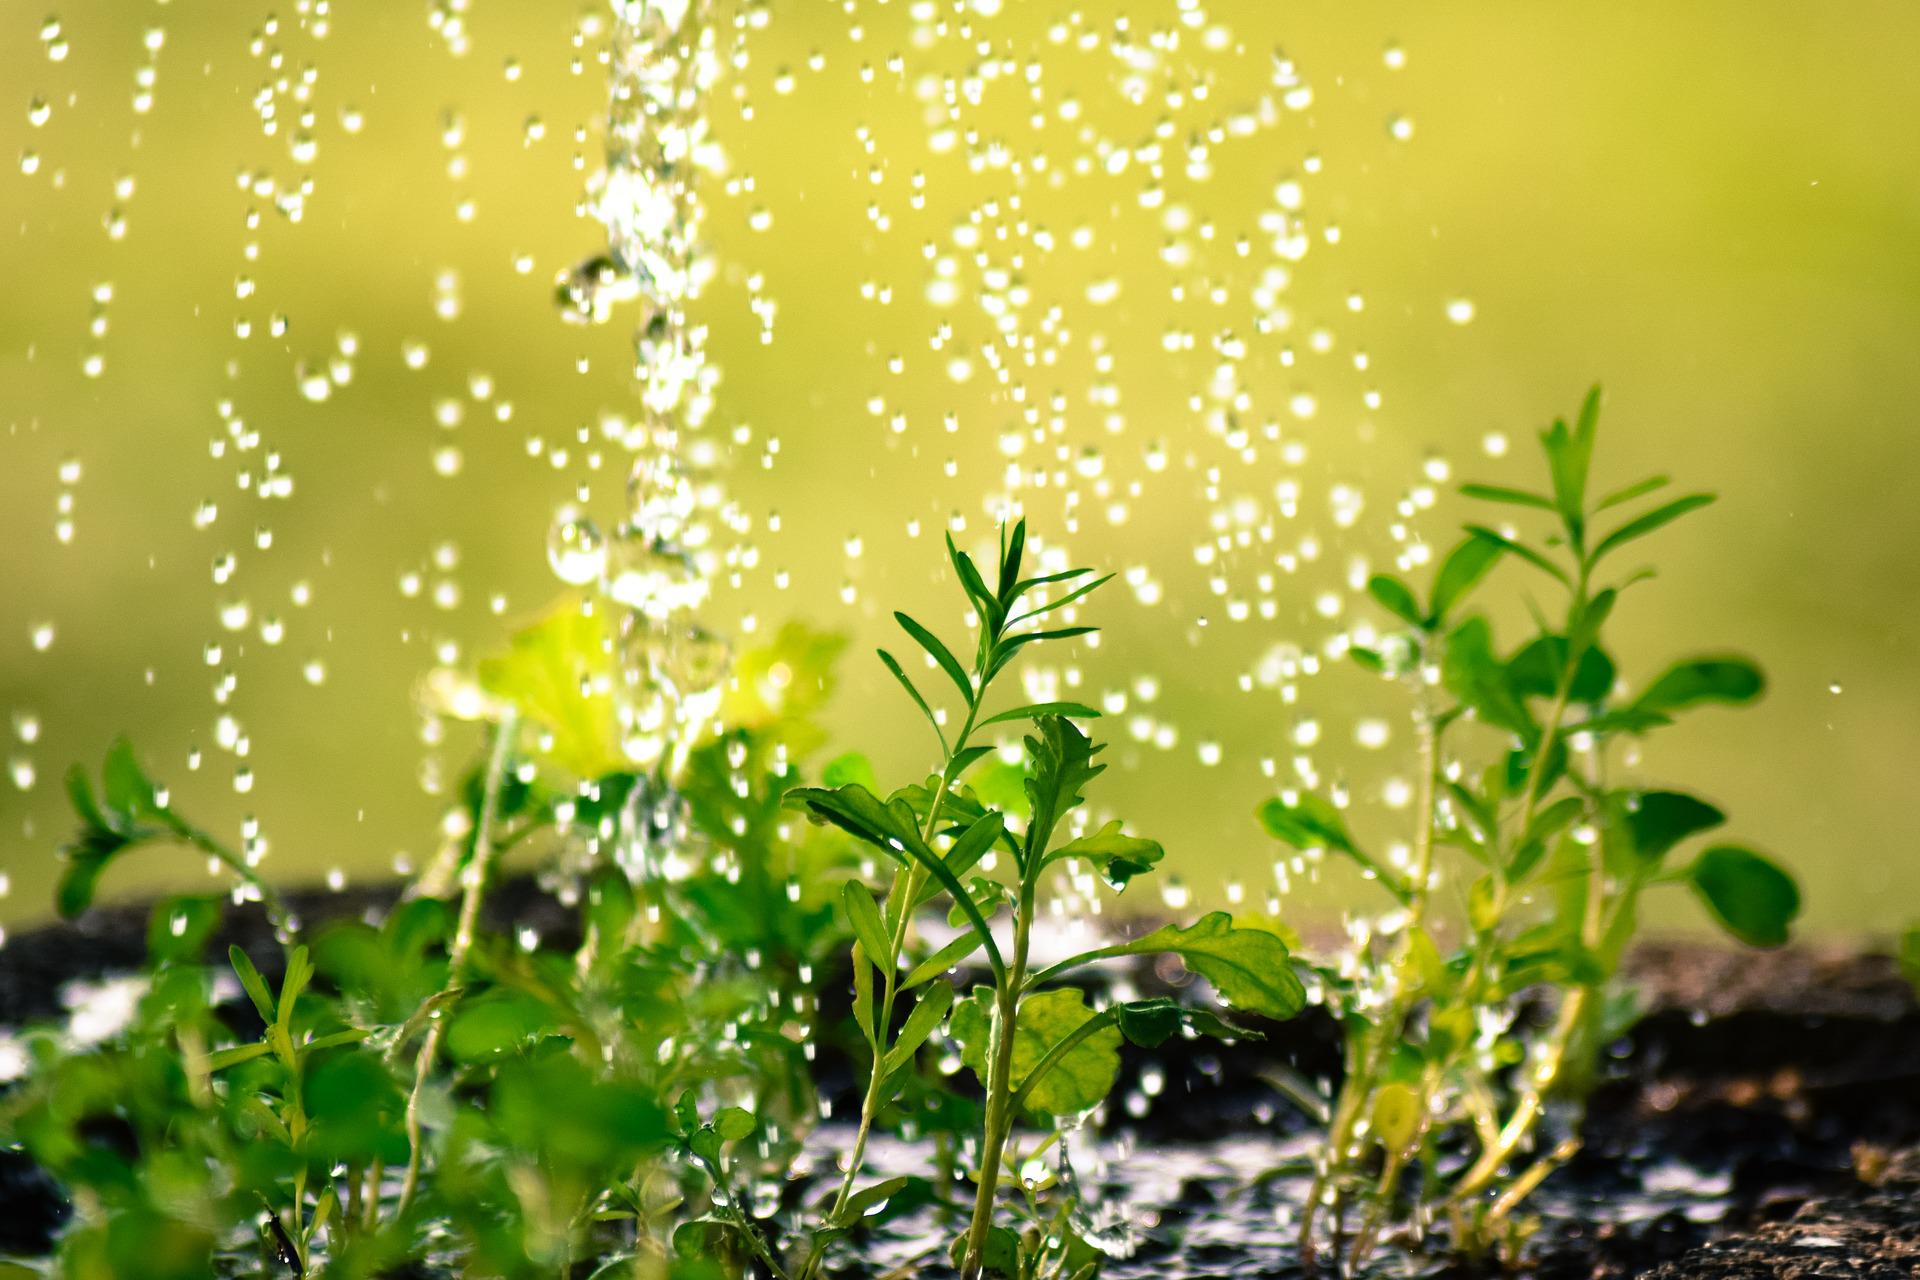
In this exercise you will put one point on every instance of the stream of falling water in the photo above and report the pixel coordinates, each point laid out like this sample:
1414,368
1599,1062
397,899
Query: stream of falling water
1084,267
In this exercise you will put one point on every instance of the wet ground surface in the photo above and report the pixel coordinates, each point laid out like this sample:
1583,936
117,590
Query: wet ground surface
1751,1125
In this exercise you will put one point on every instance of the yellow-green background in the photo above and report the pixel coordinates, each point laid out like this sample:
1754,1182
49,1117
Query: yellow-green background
1712,207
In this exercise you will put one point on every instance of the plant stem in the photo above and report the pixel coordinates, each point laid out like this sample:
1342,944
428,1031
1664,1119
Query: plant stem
473,889
1358,1086
999,1119
909,889
269,899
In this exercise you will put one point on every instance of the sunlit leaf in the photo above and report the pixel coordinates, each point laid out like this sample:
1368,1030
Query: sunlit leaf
1116,856
558,674
1251,969
1081,1078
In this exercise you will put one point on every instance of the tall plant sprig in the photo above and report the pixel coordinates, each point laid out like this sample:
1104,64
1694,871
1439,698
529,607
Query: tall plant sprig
1535,822
1036,1050
881,934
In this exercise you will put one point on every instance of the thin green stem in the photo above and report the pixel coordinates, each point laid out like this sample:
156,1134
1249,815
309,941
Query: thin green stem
909,891
1000,1111
473,890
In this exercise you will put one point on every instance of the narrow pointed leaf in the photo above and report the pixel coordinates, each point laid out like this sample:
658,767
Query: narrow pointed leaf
1034,710
1641,526
1462,570
868,928
1525,552
940,654
927,1012
253,983
1637,490
1061,603
1392,595
942,960
1512,497
913,693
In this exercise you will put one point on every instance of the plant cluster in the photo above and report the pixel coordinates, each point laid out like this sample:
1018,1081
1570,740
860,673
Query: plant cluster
1529,859
427,1089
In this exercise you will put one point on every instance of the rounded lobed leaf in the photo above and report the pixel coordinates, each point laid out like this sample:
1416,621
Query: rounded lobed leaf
1749,894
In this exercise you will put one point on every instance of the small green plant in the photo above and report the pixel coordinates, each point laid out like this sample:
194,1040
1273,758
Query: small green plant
1516,778
426,1087
1037,1047
1909,956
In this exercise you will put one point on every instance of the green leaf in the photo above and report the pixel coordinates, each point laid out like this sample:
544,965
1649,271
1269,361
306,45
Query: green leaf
940,654
179,928
868,928
1117,857
497,1023
1641,526
1250,968
1392,595
1639,489
1010,645
928,1010
1062,764
1522,550
1396,1115
1034,710
942,960
1750,894
1151,1023
863,994
253,983
1311,822
559,674
734,1123
1011,549
984,600
1730,680
1077,1082
890,827
1000,1257
1536,671
1473,673
1512,497
299,974
892,665
850,767
1085,588
127,789
1459,573
237,1054
1659,820
1569,455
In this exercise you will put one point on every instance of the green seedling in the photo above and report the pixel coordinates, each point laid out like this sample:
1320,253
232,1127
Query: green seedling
1037,1047
1549,854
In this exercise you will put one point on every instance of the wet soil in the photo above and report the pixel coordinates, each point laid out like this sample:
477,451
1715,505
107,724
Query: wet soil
1762,1120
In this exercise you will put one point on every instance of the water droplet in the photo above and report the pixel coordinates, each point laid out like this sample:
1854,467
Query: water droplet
576,549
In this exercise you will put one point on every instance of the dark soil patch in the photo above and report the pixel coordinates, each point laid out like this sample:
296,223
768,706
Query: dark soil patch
1729,1139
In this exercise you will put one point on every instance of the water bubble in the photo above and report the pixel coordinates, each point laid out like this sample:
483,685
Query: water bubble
576,549
1460,310
41,635
1400,128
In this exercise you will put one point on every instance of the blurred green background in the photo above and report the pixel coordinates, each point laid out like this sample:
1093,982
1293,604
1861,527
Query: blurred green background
1712,208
